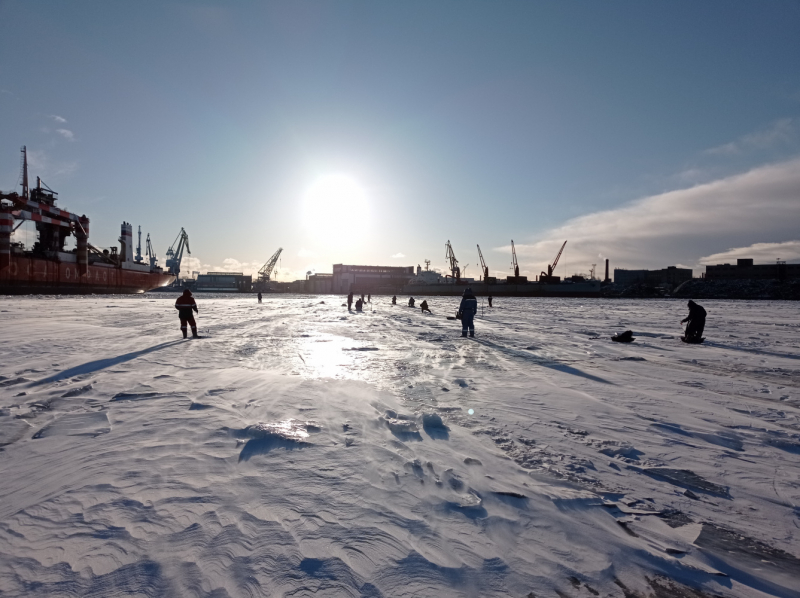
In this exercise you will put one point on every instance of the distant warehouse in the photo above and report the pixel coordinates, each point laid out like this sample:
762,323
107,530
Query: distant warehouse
224,282
746,270
672,276
370,279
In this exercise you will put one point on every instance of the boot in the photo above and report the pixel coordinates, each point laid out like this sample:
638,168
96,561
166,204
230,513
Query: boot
464,333
184,332
194,333
472,334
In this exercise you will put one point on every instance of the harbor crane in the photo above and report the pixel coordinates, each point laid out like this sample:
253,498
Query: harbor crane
265,274
549,276
514,263
455,271
175,254
150,252
484,267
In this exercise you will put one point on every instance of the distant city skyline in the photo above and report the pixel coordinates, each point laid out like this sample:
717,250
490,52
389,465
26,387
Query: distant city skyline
366,133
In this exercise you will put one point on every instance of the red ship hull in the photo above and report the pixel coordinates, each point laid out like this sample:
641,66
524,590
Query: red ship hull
29,275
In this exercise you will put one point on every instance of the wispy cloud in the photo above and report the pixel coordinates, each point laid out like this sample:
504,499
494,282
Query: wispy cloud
679,225
760,252
780,132
66,134
398,255
57,118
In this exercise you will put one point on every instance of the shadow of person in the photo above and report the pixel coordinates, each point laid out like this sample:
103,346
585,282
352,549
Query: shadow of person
101,364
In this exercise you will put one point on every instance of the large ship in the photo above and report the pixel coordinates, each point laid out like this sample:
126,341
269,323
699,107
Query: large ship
48,268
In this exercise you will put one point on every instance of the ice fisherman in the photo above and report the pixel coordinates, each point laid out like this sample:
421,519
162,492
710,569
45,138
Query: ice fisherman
490,300
467,311
394,299
350,301
359,304
411,302
697,321
369,298
259,296
424,307
185,304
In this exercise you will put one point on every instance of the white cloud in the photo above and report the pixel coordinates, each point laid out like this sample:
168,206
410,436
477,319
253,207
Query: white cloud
66,134
781,131
759,252
760,205
398,255
58,119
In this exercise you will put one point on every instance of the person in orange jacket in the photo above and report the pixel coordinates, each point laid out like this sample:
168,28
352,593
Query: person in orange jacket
185,304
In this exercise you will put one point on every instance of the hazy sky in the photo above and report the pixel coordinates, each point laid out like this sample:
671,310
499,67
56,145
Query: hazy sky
372,132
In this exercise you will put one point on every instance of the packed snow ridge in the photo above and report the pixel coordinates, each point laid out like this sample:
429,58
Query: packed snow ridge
299,449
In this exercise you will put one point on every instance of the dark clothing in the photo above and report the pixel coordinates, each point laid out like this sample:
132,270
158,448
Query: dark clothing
359,304
697,321
394,300
259,297
369,298
467,311
490,300
623,337
185,305
349,301
411,302
424,307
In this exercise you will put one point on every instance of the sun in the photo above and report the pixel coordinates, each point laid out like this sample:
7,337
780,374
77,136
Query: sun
335,205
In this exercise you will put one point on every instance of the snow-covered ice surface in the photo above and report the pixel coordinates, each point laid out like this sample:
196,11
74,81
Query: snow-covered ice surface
298,449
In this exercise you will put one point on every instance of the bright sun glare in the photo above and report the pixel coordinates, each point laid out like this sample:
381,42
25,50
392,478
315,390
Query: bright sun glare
336,206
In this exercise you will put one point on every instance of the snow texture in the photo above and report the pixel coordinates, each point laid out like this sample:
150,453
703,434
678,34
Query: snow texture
298,449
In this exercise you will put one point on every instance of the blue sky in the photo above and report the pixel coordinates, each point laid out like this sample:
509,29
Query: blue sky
649,133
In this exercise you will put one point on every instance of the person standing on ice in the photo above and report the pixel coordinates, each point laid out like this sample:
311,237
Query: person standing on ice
490,300
259,296
350,301
411,302
467,311
394,299
185,304
697,322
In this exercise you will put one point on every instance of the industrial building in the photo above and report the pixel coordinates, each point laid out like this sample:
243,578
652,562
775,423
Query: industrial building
746,270
224,282
370,279
672,276
319,284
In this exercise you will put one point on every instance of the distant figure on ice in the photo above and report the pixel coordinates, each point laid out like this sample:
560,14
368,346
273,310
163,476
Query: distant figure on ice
185,304
359,304
424,307
697,321
466,312
369,298
411,302
490,300
259,297
362,299
624,337
350,301
394,299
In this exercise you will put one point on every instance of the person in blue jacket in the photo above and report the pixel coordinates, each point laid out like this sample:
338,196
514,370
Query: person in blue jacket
467,311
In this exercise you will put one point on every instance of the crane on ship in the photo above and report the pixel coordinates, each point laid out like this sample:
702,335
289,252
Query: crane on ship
138,258
484,267
455,271
267,270
150,253
549,276
175,253
514,263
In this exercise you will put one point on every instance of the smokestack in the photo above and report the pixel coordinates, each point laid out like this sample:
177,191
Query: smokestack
607,279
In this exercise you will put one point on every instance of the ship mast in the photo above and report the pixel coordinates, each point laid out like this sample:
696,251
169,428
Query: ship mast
25,172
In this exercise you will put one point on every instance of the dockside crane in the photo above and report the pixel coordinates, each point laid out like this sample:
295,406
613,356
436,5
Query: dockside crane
455,271
265,274
175,253
514,262
150,253
549,277
484,267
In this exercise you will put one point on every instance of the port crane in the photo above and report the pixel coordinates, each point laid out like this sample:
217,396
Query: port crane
484,267
265,274
548,276
150,252
455,271
175,254
514,263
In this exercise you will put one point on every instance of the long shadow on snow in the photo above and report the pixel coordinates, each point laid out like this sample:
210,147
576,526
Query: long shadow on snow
261,446
755,351
560,367
101,364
